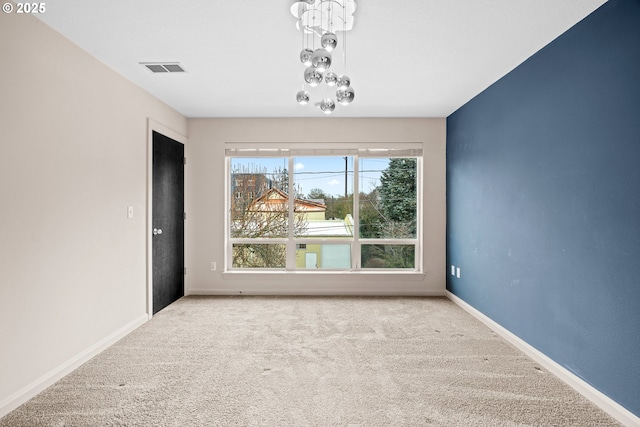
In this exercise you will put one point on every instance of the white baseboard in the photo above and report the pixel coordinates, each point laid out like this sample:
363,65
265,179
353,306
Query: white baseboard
314,292
601,400
29,391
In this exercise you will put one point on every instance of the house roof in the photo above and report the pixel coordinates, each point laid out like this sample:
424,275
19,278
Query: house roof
275,199
328,228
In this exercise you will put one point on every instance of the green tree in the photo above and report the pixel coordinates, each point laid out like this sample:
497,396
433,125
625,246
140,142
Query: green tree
398,201
339,207
317,193
370,217
388,256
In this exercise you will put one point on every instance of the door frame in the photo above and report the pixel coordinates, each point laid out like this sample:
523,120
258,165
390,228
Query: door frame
152,126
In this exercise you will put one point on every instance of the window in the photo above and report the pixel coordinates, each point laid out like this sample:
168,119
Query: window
330,209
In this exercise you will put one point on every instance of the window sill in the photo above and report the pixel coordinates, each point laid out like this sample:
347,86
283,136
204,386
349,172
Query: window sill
263,275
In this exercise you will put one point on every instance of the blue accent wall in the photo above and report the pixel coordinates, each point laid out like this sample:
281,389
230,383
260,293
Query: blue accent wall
543,195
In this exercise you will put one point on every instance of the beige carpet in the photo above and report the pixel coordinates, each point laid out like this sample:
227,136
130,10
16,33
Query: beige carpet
286,361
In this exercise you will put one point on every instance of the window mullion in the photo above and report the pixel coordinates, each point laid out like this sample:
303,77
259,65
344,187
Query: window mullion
419,219
291,248
355,250
228,252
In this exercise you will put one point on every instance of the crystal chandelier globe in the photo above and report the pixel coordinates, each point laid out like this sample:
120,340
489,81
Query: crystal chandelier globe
327,105
305,56
331,79
345,96
312,76
302,97
321,59
343,82
329,41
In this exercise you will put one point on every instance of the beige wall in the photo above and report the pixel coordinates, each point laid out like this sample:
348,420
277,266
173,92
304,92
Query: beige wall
73,156
205,208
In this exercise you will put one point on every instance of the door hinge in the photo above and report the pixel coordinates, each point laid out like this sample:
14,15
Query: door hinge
184,216
185,271
184,160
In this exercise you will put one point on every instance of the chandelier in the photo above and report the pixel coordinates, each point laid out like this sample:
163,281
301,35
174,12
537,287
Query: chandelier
319,21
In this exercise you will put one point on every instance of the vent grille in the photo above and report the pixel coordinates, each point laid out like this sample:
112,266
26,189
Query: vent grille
164,67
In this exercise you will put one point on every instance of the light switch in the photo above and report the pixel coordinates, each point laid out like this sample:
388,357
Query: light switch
129,212
458,272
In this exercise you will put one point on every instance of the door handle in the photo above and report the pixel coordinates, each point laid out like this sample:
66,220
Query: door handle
157,231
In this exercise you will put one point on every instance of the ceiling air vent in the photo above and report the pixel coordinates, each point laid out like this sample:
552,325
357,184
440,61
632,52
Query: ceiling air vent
164,67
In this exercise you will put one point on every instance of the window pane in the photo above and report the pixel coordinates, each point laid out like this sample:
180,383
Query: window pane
388,198
322,193
259,204
388,256
310,256
324,196
259,256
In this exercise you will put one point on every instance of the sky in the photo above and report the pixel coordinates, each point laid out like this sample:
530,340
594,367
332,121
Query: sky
325,173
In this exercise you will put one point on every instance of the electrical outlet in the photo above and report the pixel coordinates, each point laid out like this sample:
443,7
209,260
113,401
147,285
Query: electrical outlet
213,266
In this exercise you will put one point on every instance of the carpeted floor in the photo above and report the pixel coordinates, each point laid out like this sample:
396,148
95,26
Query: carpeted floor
294,361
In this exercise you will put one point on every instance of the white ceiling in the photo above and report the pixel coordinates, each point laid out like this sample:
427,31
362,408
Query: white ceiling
409,58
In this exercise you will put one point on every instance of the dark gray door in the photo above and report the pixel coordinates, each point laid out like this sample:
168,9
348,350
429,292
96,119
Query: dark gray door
167,221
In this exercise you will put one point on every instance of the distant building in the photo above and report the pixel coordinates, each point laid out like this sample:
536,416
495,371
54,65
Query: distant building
275,200
269,212
249,186
246,187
